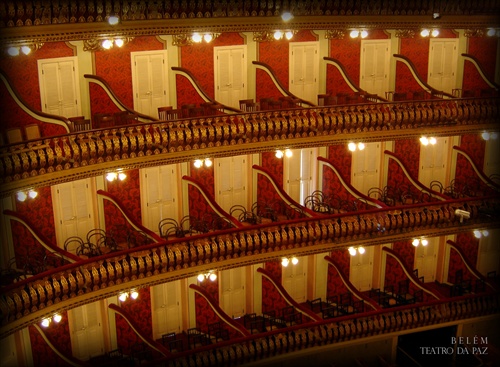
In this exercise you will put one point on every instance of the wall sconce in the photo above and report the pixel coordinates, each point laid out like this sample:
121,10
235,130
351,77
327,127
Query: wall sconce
109,43
207,37
287,260
422,241
478,234
113,176
353,146
16,51
46,322
487,136
199,163
352,250
286,16
491,32
123,296
23,195
356,33
280,153
279,35
113,19
427,33
210,275
426,141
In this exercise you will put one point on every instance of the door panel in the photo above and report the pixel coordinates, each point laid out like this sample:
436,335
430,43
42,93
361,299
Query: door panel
230,74
365,167
433,162
303,68
87,333
361,270
295,279
231,181
233,297
442,64
426,260
374,68
166,305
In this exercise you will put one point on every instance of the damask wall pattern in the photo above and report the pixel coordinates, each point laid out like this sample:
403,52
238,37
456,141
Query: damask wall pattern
340,156
408,151
266,192
100,103
406,252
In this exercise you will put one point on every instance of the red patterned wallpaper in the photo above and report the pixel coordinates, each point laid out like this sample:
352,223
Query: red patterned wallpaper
335,285
340,156
455,264
58,334
127,193
417,50
469,245
405,81
265,190
205,314
474,146
348,52
394,273
271,298
100,102
406,252
485,50
140,310
408,151
198,205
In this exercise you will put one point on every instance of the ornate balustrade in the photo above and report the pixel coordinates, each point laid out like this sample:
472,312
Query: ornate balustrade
93,152
29,300
308,335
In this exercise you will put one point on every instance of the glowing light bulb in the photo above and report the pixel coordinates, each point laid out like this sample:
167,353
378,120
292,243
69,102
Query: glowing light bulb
286,16
352,251
113,20
295,261
477,234
196,37
21,196
424,242
212,277
201,277
491,32
289,35
486,135
432,140
435,33
485,233
45,322
107,44
208,162
351,147
134,295
279,154
424,140
285,262
111,176
13,51
198,163
364,34
425,33
57,318
361,146
361,250
25,50
122,176
32,194
123,297
288,153
119,42
354,34
494,135
208,37
415,242
278,35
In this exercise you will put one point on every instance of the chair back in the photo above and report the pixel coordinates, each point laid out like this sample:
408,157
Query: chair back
103,120
162,112
32,132
14,135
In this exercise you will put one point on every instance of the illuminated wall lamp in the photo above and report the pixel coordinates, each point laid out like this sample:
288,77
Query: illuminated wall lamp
426,141
353,146
487,135
210,275
285,261
23,195
479,234
199,163
112,176
356,33
123,296
417,242
352,250
46,322
279,153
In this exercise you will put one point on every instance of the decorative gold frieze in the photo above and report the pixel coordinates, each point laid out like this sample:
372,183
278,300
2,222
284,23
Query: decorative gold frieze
478,32
405,33
182,40
335,34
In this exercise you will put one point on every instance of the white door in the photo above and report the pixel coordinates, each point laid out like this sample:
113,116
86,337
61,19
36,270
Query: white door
426,260
366,167
230,72
166,305
374,68
442,64
233,297
86,331
59,87
73,209
433,162
8,357
231,181
492,157
304,68
361,270
149,81
295,279
489,253
300,172
159,195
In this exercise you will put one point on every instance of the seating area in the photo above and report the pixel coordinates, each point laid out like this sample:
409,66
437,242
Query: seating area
186,111
109,120
283,102
19,135
333,204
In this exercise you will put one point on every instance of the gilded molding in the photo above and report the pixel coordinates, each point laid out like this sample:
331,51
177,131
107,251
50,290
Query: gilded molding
405,33
476,32
335,34
182,40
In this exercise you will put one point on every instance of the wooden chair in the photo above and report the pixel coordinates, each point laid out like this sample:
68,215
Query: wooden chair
14,135
400,96
32,132
104,120
174,114
80,123
244,103
162,112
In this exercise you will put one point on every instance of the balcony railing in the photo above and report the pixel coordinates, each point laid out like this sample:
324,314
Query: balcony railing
81,154
27,301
